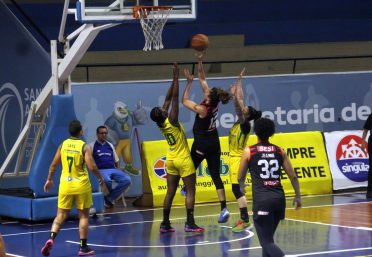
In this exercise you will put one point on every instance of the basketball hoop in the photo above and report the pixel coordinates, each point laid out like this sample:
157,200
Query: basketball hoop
152,20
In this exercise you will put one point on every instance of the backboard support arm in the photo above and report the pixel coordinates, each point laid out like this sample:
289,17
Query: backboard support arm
59,81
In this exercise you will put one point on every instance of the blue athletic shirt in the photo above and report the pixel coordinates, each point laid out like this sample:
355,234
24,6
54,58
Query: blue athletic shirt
104,155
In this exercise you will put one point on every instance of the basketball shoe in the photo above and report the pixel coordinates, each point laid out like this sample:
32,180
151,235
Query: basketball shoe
224,216
183,191
240,226
166,227
85,251
193,228
47,248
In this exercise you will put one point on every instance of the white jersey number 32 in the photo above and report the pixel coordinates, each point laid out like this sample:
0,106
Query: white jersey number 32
269,169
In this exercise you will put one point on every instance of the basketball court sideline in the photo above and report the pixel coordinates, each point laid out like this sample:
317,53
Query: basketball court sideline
336,225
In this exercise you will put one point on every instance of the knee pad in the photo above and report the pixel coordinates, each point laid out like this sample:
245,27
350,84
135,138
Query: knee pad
236,190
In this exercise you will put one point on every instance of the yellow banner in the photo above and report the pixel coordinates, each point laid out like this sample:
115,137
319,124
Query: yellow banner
305,149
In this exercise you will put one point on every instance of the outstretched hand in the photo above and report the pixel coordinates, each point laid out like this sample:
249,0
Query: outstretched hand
200,55
188,76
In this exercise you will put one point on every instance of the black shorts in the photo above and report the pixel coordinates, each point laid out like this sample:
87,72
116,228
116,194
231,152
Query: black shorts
270,206
207,144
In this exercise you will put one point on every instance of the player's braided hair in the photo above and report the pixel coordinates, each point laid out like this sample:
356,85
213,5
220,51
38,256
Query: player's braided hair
218,94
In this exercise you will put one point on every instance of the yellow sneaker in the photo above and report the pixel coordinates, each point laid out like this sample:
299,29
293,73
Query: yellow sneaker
241,225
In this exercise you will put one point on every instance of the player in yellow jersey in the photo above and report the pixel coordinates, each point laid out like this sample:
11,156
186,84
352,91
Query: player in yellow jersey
178,160
238,139
74,188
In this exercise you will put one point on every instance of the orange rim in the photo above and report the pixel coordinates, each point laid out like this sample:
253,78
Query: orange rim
137,8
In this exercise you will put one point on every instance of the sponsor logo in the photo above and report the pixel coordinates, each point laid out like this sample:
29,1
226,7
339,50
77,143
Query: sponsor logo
351,160
11,114
160,168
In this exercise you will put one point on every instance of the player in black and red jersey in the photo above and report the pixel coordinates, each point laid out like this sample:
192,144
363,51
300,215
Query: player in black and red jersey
264,161
206,143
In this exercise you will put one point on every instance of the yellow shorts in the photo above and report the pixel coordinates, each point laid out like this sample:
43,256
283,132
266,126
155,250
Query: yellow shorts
234,163
180,167
81,201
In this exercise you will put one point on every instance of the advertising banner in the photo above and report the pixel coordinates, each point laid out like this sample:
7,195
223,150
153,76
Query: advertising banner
308,156
348,163
155,152
305,149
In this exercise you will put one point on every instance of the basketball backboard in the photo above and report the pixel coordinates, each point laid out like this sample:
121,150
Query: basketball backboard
93,11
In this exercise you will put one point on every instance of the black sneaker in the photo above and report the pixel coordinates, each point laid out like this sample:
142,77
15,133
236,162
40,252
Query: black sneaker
108,204
166,227
193,228
85,251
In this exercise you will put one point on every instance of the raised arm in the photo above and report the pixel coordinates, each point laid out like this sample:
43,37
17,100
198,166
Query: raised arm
173,116
189,104
287,166
168,97
201,73
239,97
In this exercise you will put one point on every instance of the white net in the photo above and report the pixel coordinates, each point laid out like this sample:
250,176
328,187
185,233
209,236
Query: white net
152,21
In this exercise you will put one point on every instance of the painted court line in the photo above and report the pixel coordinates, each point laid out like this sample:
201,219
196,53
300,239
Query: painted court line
13,255
250,234
107,225
309,254
334,251
331,225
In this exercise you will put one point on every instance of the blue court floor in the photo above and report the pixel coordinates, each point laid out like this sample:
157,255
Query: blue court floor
330,225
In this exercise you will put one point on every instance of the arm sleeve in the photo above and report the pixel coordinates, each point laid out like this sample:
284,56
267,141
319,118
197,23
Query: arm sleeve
116,157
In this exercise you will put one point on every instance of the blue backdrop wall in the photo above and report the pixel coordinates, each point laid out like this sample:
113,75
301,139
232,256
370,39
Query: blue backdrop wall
325,102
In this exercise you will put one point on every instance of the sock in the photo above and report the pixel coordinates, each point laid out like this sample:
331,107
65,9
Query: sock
244,214
190,216
53,235
166,213
83,243
223,204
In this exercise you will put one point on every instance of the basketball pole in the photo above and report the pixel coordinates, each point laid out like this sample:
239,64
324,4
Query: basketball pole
60,77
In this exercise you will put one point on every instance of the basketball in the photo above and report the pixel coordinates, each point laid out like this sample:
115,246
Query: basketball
199,42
